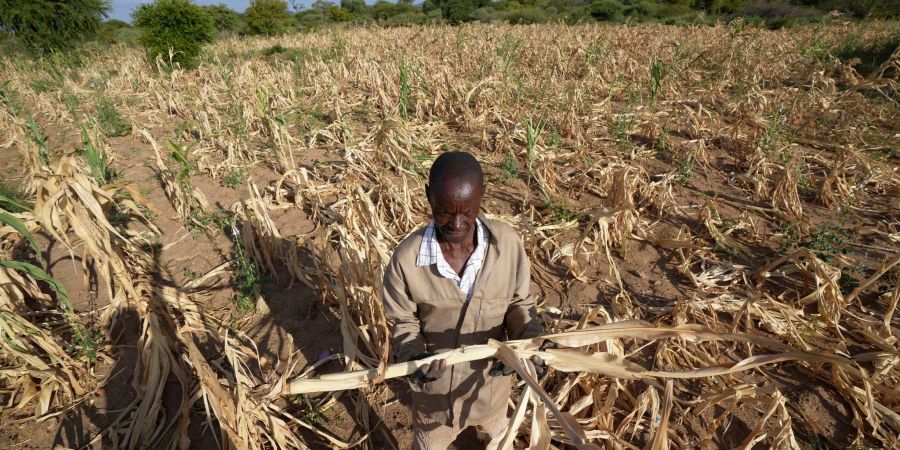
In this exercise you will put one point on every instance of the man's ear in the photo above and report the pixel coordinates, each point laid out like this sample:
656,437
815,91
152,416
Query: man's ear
428,193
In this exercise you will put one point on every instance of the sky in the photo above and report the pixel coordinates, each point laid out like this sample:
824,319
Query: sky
121,9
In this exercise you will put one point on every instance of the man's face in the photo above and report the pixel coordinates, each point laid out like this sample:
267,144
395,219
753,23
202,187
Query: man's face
455,204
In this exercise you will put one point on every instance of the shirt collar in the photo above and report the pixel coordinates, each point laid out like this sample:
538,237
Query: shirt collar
430,250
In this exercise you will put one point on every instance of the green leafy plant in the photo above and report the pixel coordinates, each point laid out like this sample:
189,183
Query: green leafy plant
224,18
181,155
790,237
190,275
234,177
662,147
40,139
12,198
621,129
45,26
178,26
532,134
829,239
109,120
655,78
219,217
247,279
267,17
404,91
607,10
509,167
559,210
97,159
686,170
80,335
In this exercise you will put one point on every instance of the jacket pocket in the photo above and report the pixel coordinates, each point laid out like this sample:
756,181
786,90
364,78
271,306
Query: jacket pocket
493,311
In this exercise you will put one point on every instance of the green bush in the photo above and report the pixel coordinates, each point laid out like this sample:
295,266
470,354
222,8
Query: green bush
178,25
725,6
354,6
43,26
338,14
310,19
777,15
383,11
406,19
879,9
486,15
456,12
267,17
644,10
224,18
117,31
607,10
868,57
526,16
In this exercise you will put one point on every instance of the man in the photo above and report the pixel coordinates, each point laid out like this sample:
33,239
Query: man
462,280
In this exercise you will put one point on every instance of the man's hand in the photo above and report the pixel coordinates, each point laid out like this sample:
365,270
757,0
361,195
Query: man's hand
540,366
429,372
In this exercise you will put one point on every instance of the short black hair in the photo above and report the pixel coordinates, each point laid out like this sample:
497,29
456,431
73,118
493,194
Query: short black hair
455,164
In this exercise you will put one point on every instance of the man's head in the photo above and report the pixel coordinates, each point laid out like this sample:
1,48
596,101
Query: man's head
455,187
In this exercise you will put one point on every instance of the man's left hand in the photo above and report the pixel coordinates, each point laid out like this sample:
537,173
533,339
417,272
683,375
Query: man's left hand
540,366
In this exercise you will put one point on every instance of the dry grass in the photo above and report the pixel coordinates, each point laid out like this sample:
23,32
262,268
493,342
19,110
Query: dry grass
749,139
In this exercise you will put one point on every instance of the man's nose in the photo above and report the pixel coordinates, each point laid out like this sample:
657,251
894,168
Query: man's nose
457,221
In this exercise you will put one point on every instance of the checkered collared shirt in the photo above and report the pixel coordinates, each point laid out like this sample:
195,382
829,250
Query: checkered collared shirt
430,253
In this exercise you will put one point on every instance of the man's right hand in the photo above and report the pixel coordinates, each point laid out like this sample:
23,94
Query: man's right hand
429,372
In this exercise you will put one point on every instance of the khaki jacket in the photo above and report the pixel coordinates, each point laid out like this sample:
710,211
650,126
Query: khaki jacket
428,313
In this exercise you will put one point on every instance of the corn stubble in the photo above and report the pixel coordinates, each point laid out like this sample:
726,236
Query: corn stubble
626,375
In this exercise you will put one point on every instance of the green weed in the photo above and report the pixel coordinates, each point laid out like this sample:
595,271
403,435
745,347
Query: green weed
40,139
338,49
9,99
109,120
828,239
559,210
655,78
791,236
532,134
221,218
87,343
247,279
315,416
771,136
80,335
190,275
404,91
97,159
181,155
234,177
42,85
662,148
12,198
509,167
621,125
686,170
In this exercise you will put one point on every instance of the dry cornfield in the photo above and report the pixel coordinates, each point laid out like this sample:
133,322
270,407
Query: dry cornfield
712,215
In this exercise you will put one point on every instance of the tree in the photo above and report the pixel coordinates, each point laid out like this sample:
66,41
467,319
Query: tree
176,25
354,6
607,10
224,18
46,25
458,11
338,14
267,17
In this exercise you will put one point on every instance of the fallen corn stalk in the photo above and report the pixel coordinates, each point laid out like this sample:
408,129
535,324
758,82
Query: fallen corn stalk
574,360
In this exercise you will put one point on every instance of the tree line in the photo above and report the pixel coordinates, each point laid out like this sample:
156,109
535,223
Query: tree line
42,26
